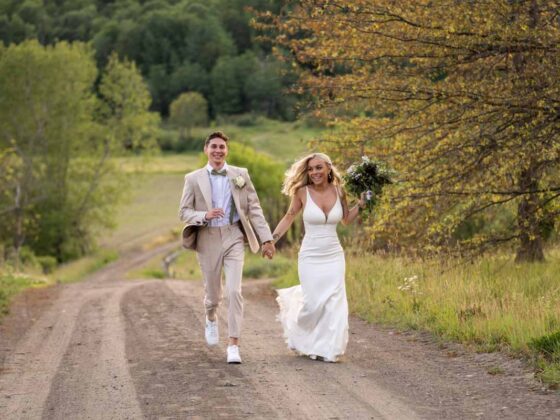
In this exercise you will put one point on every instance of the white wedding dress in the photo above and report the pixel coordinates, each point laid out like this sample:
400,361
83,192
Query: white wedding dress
314,314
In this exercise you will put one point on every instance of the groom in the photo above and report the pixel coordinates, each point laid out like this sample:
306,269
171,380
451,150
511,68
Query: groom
221,210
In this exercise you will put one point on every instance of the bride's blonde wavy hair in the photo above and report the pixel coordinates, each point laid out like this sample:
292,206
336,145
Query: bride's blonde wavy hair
296,177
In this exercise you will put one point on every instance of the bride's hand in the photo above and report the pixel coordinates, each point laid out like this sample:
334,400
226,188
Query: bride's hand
362,202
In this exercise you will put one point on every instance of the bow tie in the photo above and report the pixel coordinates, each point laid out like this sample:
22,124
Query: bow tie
220,173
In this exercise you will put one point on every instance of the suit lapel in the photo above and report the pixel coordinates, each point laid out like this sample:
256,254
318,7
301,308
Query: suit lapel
205,188
232,173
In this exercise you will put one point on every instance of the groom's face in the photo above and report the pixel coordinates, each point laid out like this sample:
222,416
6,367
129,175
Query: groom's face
217,151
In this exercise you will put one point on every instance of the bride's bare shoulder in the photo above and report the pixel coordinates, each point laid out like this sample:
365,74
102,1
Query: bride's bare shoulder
299,195
300,192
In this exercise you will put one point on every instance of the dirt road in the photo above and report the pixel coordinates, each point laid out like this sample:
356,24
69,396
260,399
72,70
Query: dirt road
109,348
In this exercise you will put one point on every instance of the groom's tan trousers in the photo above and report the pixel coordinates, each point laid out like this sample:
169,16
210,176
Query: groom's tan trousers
217,248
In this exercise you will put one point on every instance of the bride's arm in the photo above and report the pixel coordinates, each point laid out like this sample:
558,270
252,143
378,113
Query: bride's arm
284,224
349,215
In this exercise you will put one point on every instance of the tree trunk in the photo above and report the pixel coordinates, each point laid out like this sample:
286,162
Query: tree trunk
18,234
531,242
530,239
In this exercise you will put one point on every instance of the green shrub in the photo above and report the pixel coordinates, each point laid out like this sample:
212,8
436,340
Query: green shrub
547,345
171,141
10,285
153,273
257,267
48,263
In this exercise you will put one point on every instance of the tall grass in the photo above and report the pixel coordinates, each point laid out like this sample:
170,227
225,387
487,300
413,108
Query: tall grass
492,302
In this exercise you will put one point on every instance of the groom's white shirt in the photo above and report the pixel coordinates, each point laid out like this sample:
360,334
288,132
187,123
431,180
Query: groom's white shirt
221,196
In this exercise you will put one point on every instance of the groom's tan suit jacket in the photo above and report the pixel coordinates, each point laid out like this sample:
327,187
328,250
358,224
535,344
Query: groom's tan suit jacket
197,200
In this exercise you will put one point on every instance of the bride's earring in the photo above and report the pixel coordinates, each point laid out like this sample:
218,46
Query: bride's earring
330,177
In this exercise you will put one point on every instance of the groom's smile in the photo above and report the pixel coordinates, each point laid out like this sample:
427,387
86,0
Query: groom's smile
217,151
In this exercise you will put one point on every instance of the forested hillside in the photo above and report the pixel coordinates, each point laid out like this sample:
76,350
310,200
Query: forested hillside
178,45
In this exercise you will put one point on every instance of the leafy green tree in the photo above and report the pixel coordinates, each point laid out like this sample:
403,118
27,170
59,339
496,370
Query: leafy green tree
126,102
189,77
228,78
163,40
187,111
264,90
45,112
174,43
236,16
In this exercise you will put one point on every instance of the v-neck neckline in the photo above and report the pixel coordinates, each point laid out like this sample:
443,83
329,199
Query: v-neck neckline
326,214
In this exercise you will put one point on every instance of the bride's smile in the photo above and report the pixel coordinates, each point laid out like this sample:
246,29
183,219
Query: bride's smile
318,171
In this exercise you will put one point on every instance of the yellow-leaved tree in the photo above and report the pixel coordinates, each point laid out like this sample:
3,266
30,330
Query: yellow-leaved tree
461,98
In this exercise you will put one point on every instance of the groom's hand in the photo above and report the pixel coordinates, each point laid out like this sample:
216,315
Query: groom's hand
214,214
268,250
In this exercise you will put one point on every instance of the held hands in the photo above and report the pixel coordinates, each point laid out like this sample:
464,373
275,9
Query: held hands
214,214
268,250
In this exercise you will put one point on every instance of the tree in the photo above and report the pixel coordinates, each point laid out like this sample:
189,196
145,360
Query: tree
126,102
228,79
187,111
264,90
45,112
461,98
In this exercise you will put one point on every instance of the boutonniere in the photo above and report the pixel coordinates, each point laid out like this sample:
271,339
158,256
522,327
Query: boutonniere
239,181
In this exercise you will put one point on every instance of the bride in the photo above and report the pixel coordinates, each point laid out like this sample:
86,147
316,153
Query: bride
314,314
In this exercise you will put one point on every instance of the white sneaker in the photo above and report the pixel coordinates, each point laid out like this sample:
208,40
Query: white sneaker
211,332
233,354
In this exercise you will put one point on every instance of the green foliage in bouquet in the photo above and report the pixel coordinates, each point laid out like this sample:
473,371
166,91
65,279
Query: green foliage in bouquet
368,175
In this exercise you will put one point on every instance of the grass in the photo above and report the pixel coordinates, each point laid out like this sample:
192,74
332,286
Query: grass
78,269
148,166
184,267
11,284
151,209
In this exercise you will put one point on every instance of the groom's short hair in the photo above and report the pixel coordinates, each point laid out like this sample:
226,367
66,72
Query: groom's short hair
216,135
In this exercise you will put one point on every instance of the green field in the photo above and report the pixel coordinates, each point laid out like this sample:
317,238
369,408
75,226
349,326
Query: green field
150,211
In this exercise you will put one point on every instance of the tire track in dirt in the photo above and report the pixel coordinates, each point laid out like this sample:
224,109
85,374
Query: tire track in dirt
96,352
29,370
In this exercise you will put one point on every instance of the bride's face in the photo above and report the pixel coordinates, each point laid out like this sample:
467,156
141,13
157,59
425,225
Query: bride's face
318,171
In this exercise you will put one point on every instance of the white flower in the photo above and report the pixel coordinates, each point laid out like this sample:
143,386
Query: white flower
239,181
410,285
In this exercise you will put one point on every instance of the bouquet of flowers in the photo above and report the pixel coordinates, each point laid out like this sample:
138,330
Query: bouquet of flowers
370,177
